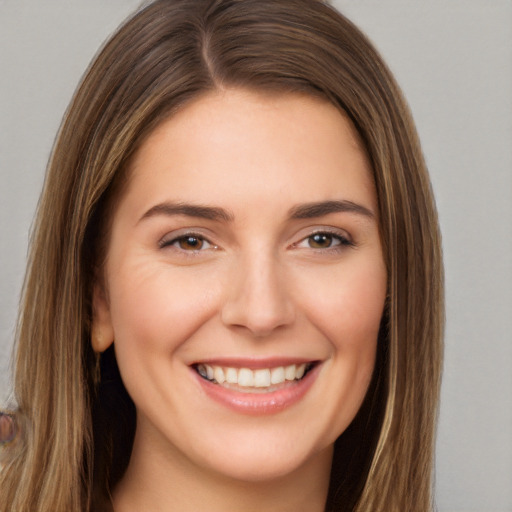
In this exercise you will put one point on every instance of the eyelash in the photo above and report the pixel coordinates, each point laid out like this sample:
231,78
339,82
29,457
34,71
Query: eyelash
343,242
182,238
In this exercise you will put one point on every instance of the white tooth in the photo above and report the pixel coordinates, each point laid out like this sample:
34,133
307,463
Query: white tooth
289,372
231,375
300,371
209,371
277,375
245,377
218,374
262,378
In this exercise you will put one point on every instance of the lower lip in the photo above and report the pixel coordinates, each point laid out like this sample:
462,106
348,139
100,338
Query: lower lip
260,403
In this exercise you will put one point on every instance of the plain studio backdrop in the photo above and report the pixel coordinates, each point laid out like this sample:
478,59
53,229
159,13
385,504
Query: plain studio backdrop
453,59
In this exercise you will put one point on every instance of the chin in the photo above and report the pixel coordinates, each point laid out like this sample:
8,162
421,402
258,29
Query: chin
265,457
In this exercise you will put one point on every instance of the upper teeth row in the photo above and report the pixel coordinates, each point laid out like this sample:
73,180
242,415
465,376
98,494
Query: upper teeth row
245,377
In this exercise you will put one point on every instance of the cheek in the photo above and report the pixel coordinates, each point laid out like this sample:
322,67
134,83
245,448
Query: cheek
157,309
347,306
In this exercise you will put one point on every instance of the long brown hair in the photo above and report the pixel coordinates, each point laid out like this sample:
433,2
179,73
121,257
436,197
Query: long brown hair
75,418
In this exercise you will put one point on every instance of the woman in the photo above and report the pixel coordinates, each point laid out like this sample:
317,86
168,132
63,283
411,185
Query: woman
234,292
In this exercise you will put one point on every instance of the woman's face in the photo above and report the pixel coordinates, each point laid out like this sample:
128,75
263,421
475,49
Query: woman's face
245,283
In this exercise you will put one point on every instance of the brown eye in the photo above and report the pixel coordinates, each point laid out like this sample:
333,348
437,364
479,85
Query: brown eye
322,241
191,243
325,241
187,243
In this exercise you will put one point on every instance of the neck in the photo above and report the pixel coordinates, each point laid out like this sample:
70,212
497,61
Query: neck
167,481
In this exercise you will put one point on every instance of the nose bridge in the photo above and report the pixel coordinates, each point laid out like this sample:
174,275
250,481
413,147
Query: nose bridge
258,297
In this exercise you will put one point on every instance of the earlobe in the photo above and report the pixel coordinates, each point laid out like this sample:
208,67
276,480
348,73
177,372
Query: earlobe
102,331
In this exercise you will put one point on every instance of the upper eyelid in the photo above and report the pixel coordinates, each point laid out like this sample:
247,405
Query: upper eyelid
343,240
170,238
304,234
337,232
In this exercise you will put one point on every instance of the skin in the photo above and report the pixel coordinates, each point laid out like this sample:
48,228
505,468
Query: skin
253,284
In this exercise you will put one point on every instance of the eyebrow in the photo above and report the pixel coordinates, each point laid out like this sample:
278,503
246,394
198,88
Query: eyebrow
190,210
318,209
302,211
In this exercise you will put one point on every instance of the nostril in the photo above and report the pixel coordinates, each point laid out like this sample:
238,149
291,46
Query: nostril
261,315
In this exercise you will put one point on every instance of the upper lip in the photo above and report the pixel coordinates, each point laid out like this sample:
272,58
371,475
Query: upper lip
253,363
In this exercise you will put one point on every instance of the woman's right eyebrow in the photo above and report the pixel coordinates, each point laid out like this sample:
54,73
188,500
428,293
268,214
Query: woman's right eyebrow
190,210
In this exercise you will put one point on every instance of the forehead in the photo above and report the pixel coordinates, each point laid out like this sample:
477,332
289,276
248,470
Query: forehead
236,143
216,109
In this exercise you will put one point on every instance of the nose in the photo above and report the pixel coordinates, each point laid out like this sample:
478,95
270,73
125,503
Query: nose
258,298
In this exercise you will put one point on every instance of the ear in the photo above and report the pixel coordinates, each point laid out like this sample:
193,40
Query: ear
102,331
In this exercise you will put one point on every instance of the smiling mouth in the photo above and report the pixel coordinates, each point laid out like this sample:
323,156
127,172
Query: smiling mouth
262,380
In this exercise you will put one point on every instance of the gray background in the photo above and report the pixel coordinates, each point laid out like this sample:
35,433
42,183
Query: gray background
453,59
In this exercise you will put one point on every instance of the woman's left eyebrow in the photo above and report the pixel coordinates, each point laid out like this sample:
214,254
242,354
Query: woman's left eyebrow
318,209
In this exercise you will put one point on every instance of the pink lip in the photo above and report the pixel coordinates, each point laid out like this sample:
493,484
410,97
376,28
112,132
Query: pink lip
260,403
